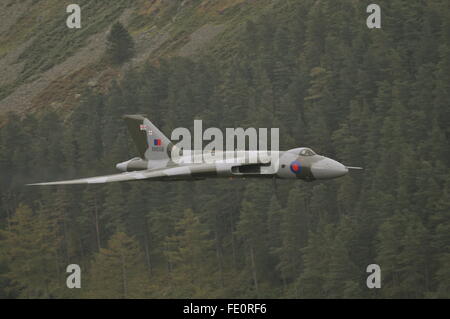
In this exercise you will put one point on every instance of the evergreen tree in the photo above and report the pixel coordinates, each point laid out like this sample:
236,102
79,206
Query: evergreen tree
311,283
120,44
294,236
29,249
118,271
190,253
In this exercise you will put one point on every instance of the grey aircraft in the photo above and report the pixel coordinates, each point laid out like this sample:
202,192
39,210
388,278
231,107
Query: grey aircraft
155,162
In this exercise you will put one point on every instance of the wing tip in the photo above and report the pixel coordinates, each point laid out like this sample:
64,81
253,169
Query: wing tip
41,184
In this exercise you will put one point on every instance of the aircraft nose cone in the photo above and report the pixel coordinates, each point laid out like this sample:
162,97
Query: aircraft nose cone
328,168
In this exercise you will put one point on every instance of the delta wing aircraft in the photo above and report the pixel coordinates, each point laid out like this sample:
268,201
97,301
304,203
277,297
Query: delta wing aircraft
155,162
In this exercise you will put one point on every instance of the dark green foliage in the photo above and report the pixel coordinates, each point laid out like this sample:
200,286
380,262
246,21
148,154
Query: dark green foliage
123,260
120,44
371,98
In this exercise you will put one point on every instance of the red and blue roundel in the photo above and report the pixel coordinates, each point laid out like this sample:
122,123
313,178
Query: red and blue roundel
296,167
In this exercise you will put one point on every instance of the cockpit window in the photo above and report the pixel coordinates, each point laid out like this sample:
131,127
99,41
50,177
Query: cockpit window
307,152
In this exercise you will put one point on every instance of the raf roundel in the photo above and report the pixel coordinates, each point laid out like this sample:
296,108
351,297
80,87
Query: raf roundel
296,167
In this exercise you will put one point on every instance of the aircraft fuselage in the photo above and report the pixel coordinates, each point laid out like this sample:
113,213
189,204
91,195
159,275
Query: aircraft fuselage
281,164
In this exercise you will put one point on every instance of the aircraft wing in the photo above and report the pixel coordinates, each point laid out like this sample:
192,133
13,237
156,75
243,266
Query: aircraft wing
194,171
122,177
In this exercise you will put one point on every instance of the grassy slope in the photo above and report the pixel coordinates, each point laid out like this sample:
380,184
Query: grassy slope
49,44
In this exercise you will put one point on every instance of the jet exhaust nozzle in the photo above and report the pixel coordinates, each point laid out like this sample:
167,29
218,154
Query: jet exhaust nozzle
134,164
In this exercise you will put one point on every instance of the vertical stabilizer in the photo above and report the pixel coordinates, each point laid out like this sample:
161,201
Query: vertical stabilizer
150,142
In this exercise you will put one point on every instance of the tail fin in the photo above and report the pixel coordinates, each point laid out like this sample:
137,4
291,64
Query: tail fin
150,142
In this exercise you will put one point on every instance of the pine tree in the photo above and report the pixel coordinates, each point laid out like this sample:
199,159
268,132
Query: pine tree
120,44
29,249
294,236
414,260
311,282
191,255
118,271
342,280
252,230
440,242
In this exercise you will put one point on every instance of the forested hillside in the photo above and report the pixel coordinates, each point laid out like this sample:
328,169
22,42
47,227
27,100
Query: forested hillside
377,98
